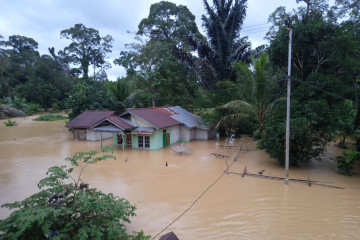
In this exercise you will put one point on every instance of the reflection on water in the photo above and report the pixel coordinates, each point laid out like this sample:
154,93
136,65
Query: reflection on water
234,208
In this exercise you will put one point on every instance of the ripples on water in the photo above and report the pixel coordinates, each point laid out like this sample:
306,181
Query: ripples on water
234,208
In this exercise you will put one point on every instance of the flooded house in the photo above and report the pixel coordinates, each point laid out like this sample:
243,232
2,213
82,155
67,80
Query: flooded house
151,128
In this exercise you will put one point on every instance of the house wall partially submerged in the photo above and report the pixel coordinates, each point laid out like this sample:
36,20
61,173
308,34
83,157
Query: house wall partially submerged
89,134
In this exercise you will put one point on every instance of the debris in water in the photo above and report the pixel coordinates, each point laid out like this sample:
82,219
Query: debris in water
181,149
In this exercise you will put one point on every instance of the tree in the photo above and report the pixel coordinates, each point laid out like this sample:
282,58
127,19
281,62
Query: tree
121,91
22,53
256,89
316,119
150,63
318,82
47,84
66,208
4,68
168,21
87,47
222,24
89,94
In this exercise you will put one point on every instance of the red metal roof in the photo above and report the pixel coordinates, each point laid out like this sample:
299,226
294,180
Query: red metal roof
158,117
89,118
169,236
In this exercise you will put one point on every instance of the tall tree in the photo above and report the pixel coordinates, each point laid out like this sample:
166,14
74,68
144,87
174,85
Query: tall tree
317,112
86,48
89,94
257,94
224,45
222,23
23,55
150,62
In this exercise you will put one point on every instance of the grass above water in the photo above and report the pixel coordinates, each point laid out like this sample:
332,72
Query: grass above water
50,117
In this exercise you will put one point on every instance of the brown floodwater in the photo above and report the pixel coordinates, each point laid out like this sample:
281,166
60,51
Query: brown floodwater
233,208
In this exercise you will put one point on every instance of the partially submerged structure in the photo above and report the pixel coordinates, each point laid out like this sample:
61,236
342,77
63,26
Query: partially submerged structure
151,128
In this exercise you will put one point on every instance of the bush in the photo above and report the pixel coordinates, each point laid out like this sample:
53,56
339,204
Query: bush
10,123
50,117
345,163
34,108
17,103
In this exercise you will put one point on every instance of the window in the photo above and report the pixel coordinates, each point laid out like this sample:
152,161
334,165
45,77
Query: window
144,141
147,141
140,141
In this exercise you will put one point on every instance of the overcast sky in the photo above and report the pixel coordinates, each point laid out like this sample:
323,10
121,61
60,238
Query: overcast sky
43,20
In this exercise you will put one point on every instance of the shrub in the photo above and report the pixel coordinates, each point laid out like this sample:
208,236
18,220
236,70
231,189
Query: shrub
345,163
34,108
10,123
50,117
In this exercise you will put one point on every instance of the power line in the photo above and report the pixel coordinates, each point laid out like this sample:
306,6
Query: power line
220,176
260,24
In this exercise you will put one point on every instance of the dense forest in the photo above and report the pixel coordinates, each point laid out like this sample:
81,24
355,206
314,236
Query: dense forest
219,76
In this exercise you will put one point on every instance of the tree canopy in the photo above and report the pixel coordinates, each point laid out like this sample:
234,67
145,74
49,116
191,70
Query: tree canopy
67,208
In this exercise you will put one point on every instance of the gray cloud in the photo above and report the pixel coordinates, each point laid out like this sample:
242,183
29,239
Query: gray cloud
43,20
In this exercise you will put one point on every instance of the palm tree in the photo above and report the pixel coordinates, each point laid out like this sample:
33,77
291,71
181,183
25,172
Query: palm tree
121,90
256,90
222,23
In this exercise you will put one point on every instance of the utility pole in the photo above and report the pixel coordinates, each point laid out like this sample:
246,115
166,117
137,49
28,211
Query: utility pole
287,150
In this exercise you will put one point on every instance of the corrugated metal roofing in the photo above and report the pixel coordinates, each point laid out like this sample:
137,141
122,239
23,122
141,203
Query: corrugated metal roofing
89,118
158,117
169,236
187,118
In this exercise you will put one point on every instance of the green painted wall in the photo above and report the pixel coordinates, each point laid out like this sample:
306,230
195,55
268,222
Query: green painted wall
156,140
115,142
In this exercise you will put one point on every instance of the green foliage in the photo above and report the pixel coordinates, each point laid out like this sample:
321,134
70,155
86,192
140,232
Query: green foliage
86,47
222,24
256,91
50,117
34,108
10,123
66,208
345,163
122,91
316,118
17,103
89,94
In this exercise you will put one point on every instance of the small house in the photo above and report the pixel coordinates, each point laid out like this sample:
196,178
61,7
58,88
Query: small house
148,128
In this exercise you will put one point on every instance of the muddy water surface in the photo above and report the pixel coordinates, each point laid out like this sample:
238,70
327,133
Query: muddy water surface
233,208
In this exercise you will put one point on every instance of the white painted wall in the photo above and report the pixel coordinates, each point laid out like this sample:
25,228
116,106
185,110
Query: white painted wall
175,134
192,134
201,134
95,136
184,133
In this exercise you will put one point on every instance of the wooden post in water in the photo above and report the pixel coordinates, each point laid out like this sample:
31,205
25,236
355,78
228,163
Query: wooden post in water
287,150
100,141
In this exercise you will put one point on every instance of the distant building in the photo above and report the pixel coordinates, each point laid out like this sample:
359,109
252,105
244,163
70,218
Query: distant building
151,128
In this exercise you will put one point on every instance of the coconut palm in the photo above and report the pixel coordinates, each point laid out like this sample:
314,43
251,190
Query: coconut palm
256,90
121,90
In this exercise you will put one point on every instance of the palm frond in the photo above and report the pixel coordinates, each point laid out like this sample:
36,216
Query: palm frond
231,120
